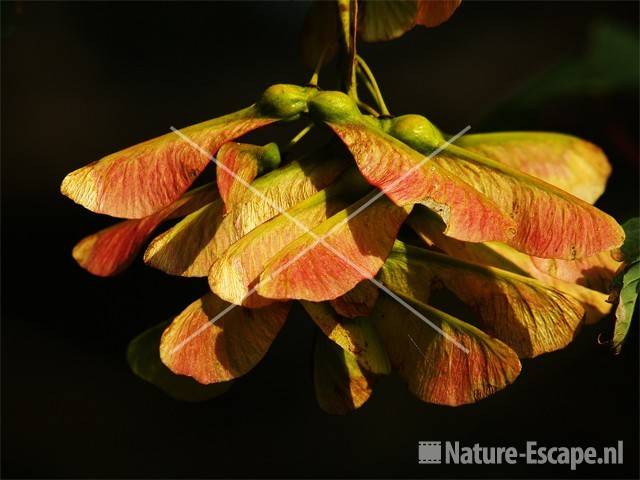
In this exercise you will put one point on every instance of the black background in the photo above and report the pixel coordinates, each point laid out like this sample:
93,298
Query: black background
80,80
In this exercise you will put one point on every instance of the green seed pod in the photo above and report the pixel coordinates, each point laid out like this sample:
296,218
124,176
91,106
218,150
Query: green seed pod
417,132
284,101
269,157
333,107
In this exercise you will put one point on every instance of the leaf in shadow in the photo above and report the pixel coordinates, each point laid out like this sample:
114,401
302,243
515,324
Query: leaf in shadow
143,355
341,384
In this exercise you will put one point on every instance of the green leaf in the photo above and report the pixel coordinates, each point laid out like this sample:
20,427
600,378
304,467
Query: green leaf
631,247
143,356
626,285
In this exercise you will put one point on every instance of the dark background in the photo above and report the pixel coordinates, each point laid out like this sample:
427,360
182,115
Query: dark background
81,80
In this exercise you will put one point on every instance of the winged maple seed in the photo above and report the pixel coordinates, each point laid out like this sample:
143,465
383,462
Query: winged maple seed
506,219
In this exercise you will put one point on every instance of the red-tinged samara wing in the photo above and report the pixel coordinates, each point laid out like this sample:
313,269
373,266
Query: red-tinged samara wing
237,272
192,245
549,222
570,163
238,164
212,341
109,251
142,179
335,256
495,254
436,369
408,177
530,317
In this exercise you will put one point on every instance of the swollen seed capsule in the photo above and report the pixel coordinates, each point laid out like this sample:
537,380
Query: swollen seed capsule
269,157
284,101
417,132
333,107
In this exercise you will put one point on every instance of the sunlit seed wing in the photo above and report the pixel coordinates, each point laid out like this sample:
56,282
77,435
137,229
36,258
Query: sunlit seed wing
525,314
109,251
225,349
499,255
435,369
570,163
240,162
186,249
408,177
237,271
592,272
142,179
143,356
191,246
595,272
550,222
351,250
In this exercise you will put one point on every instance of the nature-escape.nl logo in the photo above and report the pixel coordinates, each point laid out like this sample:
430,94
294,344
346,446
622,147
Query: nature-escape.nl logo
432,452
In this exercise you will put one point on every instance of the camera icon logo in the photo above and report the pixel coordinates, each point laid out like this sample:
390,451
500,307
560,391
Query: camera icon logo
429,452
